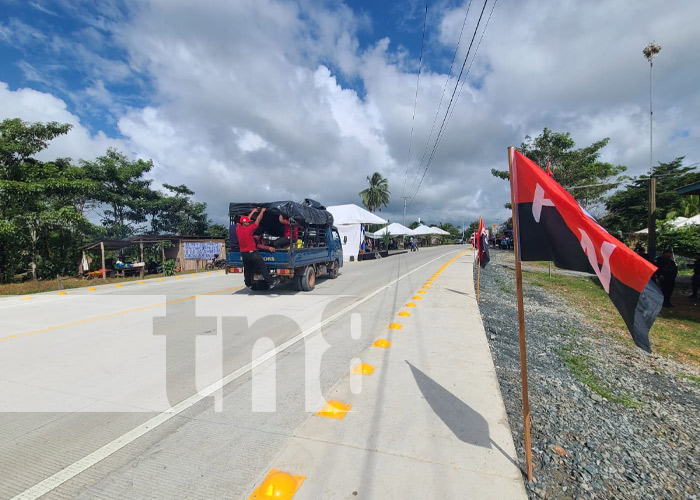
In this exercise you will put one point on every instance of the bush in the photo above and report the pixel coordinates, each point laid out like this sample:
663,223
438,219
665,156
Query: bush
169,267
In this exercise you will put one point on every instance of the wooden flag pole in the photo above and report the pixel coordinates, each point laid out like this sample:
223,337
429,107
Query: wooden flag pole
478,276
521,320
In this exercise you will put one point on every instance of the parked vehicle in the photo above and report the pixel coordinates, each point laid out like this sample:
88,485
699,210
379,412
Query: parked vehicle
315,249
216,263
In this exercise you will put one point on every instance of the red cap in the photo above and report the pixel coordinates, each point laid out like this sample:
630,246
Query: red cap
245,219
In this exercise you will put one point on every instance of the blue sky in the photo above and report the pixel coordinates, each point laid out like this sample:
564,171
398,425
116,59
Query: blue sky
289,99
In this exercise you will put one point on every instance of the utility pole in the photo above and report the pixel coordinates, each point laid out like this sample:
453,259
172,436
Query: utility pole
404,208
650,51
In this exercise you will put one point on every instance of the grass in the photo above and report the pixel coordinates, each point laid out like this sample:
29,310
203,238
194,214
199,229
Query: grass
675,333
578,365
40,286
503,286
695,380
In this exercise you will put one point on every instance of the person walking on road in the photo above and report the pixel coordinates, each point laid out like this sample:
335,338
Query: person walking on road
252,261
666,274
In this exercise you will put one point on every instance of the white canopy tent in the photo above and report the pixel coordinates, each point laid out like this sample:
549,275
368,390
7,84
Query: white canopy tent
439,231
422,231
678,222
349,219
394,229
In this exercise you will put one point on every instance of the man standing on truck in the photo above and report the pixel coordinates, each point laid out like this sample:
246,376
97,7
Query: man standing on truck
252,261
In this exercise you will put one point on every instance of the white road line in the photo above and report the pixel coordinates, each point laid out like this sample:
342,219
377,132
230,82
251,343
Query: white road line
112,447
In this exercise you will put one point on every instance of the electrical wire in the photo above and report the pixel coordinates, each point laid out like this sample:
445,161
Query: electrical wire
450,104
437,111
415,99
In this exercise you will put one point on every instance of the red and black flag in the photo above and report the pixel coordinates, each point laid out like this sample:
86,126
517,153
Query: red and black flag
482,244
552,226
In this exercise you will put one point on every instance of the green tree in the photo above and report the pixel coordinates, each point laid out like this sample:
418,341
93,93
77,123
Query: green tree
176,213
41,224
628,208
455,232
577,170
122,191
377,194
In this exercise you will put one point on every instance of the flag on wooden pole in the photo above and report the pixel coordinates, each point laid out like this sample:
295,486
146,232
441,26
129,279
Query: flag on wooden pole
552,226
483,244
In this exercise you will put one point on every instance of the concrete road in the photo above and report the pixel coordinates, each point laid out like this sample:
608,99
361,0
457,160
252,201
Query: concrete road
181,388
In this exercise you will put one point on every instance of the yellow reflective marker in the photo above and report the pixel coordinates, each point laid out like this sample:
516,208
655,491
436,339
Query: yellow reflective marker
221,272
118,285
410,304
141,282
63,293
404,313
395,326
417,297
178,277
421,291
208,273
27,298
334,409
160,279
279,485
383,343
195,274
363,369
92,289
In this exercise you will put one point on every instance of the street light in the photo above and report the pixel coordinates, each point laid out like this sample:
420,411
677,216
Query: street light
651,51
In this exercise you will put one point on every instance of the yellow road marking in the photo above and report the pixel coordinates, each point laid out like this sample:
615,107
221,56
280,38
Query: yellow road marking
112,315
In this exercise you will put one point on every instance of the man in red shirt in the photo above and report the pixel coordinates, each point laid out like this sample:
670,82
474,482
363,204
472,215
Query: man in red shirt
286,240
252,261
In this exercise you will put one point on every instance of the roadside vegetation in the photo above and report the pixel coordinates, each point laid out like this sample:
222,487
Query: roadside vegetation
676,331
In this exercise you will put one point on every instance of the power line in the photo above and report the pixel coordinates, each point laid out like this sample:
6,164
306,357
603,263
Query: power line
415,99
450,104
437,111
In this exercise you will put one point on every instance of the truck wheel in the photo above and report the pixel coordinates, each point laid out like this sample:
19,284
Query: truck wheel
308,279
333,270
297,281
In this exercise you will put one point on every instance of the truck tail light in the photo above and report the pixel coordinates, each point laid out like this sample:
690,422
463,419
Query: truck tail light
235,270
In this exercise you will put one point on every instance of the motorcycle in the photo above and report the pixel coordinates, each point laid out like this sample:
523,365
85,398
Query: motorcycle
216,263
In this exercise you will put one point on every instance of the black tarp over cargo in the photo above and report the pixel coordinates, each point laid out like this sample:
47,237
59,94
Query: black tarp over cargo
307,212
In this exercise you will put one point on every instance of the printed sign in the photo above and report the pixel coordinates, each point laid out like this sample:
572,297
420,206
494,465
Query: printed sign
201,250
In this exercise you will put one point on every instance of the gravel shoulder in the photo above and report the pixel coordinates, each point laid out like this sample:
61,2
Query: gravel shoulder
640,439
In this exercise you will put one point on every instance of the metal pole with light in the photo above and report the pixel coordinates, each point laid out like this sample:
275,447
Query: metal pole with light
650,51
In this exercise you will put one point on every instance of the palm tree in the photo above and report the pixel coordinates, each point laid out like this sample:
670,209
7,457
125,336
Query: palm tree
377,194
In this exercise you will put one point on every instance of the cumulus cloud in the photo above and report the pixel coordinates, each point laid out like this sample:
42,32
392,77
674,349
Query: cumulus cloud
267,99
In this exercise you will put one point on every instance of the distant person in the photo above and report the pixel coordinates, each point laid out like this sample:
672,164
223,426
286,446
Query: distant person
641,251
666,274
252,261
260,244
696,277
285,240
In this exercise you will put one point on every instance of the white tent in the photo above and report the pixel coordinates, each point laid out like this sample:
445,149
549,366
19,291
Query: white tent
395,229
422,231
439,231
349,219
678,222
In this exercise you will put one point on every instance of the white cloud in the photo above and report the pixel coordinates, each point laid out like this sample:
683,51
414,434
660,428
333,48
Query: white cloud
250,99
33,106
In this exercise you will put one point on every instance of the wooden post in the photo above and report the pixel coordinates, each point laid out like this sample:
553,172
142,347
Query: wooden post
102,250
478,276
141,245
521,319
